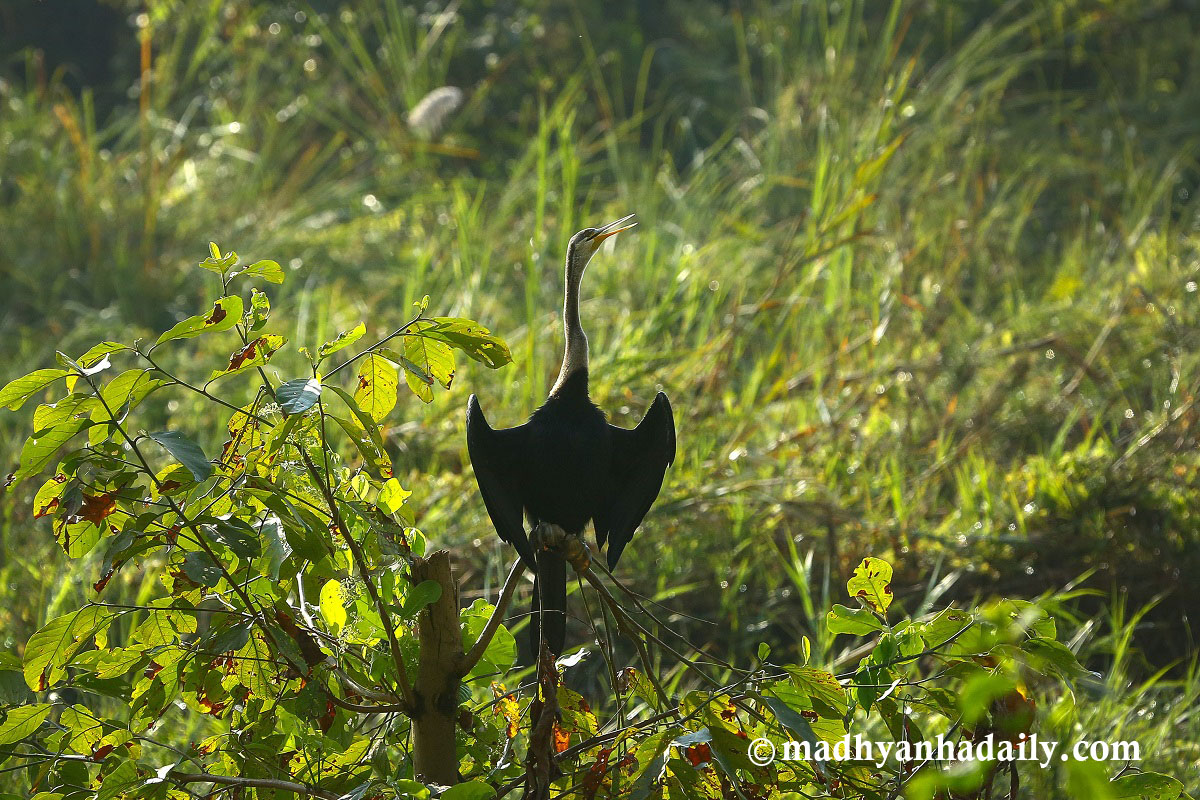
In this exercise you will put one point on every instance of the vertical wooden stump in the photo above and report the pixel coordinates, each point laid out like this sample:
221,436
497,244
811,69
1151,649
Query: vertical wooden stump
435,754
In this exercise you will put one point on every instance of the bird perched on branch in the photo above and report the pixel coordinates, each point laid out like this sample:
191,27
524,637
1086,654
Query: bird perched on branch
567,466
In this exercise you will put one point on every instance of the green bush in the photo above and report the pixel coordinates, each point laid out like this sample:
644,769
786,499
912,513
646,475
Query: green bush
288,632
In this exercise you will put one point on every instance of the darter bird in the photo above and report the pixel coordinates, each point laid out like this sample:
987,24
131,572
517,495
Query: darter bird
567,465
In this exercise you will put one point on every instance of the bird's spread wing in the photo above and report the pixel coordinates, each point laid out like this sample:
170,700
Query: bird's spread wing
495,457
640,458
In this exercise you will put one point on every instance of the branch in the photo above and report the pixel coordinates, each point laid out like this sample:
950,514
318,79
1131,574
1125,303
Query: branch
262,783
577,554
360,561
361,708
468,661
373,347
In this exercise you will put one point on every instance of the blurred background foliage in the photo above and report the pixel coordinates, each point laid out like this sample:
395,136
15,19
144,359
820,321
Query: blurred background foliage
920,278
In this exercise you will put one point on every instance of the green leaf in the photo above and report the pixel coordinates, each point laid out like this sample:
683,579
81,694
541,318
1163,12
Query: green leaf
225,313
98,352
52,647
501,651
856,621
576,716
825,693
230,639
17,391
376,390
260,310
122,781
298,396
255,353
186,452
239,536
343,340
419,381
1146,786
216,262
372,452
411,789
469,336
76,406
419,596
872,583
946,625
869,169
1057,654
40,449
126,391
333,605
815,700
433,360
651,759
266,269
275,545
392,496
22,721
791,719
198,566
979,691
471,790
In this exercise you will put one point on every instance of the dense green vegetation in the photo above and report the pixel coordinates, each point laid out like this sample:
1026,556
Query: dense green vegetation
920,281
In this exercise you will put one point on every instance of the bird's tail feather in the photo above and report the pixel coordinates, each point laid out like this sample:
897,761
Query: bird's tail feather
549,595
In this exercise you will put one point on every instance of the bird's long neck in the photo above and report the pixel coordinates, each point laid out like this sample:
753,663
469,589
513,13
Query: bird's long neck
575,356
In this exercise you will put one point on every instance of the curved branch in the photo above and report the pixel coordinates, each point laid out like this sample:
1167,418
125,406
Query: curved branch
468,661
262,783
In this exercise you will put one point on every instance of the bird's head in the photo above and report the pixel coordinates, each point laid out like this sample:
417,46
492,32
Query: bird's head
584,244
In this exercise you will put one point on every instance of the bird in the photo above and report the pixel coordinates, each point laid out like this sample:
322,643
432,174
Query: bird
567,466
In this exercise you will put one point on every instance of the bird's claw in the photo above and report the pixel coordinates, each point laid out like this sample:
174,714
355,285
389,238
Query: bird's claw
576,552
551,537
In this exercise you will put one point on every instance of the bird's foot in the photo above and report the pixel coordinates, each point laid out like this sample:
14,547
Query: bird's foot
545,536
577,554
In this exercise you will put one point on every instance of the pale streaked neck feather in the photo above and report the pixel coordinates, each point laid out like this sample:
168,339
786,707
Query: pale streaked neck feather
575,355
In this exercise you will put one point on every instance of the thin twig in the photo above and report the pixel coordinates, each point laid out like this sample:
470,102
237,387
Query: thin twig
262,783
373,347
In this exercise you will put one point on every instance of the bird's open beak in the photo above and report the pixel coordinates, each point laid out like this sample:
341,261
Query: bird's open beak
613,228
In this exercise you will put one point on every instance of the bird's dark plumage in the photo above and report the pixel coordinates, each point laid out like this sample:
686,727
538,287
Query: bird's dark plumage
567,466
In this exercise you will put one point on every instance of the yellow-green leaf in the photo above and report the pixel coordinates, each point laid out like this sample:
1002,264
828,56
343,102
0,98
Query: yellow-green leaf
872,583
224,314
52,647
17,391
373,453
376,390
22,721
343,340
392,496
266,269
254,354
333,605
40,449
469,336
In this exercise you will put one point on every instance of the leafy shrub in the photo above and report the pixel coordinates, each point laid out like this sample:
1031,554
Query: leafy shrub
298,637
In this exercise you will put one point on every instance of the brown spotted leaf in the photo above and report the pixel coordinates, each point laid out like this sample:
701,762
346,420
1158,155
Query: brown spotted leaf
222,316
872,584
